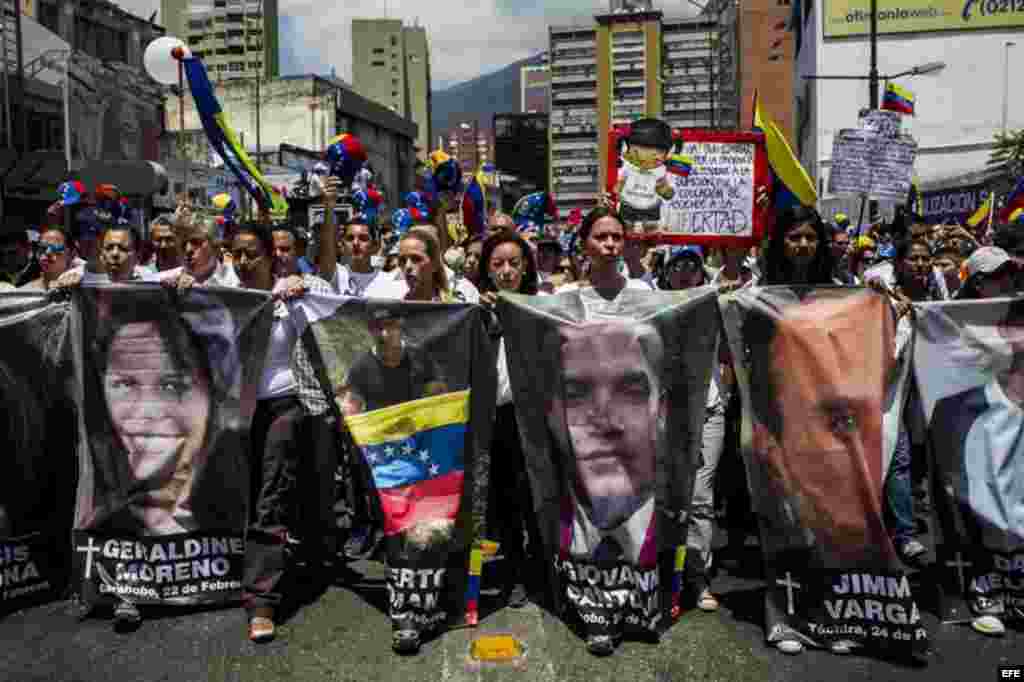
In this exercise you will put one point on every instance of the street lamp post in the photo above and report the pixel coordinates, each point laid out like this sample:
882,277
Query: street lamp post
1006,82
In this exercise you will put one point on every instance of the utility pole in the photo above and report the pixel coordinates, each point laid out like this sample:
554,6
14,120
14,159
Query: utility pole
873,73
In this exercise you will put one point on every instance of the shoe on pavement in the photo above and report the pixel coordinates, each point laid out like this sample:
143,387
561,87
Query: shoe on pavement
600,645
912,550
362,543
707,601
789,646
127,617
842,647
989,625
261,625
405,641
517,597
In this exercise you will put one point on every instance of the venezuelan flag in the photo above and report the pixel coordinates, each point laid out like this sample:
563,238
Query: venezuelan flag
1014,200
898,98
679,164
224,141
416,452
474,206
981,214
791,184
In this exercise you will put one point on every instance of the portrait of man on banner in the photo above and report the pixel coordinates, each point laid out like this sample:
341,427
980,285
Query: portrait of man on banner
819,370
607,418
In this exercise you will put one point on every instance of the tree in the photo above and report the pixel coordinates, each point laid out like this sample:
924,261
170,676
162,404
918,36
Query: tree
1009,151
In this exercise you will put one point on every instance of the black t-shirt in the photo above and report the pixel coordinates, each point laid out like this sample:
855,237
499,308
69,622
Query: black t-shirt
381,386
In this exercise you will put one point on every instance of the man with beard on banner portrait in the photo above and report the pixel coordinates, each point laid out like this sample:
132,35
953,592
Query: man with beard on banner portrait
819,371
163,430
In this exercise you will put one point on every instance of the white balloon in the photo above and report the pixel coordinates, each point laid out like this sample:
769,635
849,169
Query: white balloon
160,63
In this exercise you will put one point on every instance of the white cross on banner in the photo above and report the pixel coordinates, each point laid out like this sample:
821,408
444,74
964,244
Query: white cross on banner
790,585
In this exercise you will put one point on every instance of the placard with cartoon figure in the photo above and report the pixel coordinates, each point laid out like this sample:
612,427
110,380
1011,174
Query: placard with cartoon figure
690,186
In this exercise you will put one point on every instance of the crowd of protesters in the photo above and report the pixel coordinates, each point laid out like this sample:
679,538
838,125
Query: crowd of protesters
905,258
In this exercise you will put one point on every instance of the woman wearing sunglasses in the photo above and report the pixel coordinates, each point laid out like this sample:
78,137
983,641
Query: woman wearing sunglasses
56,254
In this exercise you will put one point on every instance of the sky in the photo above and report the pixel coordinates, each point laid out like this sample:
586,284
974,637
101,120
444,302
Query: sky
467,37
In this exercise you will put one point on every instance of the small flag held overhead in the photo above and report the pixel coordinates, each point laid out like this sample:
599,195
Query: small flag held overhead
899,99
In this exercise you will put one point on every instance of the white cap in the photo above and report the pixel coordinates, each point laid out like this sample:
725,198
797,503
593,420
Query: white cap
986,260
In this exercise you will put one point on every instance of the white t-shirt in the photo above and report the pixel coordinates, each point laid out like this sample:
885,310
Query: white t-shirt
139,274
638,189
630,284
347,282
278,380
396,288
222,276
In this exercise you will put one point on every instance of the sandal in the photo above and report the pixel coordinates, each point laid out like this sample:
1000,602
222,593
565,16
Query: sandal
405,641
707,602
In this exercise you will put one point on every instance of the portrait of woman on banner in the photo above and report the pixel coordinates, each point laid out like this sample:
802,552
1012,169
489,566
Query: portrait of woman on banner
165,454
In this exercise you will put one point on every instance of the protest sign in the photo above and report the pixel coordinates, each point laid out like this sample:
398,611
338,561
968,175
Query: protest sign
35,423
712,179
165,394
821,392
968,357
610,399
865,162
414,387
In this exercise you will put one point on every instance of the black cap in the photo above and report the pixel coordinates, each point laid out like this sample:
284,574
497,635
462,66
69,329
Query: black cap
650,132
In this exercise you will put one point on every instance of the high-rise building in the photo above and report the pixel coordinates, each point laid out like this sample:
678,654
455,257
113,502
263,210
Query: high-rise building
535,84
234,38
471,145
631,63
391,66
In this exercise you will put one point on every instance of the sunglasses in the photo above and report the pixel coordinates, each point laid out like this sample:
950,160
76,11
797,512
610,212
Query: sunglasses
51,249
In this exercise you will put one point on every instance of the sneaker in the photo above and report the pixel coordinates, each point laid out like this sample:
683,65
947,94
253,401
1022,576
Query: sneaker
707,601
986,606
126,617
911,550
261,625
405,641
517,597
989,625
789,646
600,645
842,647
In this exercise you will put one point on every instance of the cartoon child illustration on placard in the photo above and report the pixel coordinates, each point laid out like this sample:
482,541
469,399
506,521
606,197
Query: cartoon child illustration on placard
643,183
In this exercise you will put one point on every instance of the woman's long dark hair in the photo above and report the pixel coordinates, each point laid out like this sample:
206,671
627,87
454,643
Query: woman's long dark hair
528,285
778,269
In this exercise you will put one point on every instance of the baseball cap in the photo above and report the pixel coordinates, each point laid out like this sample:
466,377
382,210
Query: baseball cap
986,260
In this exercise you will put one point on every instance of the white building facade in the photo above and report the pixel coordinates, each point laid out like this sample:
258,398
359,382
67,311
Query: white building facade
959,108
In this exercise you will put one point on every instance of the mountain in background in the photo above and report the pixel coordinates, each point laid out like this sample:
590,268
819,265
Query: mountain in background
498,92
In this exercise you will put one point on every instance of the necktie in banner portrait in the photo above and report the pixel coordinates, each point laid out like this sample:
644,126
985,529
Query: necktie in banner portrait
610,398
36,414
823,389
968,357
165,393
414,386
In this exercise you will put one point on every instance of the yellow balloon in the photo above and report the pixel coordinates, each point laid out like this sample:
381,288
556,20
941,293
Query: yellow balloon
220,201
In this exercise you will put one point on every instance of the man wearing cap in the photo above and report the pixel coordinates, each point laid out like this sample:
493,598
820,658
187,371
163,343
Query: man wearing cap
991,273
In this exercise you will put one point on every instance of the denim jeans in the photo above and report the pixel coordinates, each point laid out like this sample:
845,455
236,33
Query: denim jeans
898,497
702,509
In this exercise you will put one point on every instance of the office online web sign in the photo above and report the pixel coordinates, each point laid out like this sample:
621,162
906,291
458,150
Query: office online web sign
851,17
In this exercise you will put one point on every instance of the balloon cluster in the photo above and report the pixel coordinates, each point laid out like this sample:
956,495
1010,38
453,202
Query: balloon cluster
367,204
532,209
418,204
345,156
446,173
401,220
224,203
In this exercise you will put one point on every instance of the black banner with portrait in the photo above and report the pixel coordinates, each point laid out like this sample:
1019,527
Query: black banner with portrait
37,423
414,388
165,390
969,365
610,397
822,389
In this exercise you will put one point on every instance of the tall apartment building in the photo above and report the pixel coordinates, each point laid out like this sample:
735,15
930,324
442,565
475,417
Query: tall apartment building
470,145
631,63
234,38
535,87
391,66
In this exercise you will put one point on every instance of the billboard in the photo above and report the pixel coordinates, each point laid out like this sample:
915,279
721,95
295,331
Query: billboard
844,18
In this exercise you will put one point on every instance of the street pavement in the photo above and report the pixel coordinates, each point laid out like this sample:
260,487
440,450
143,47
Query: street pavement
345,635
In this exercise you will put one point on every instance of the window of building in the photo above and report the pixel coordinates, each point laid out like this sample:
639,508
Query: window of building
394,41
394,93
377,63
394,69
379,50
236,67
